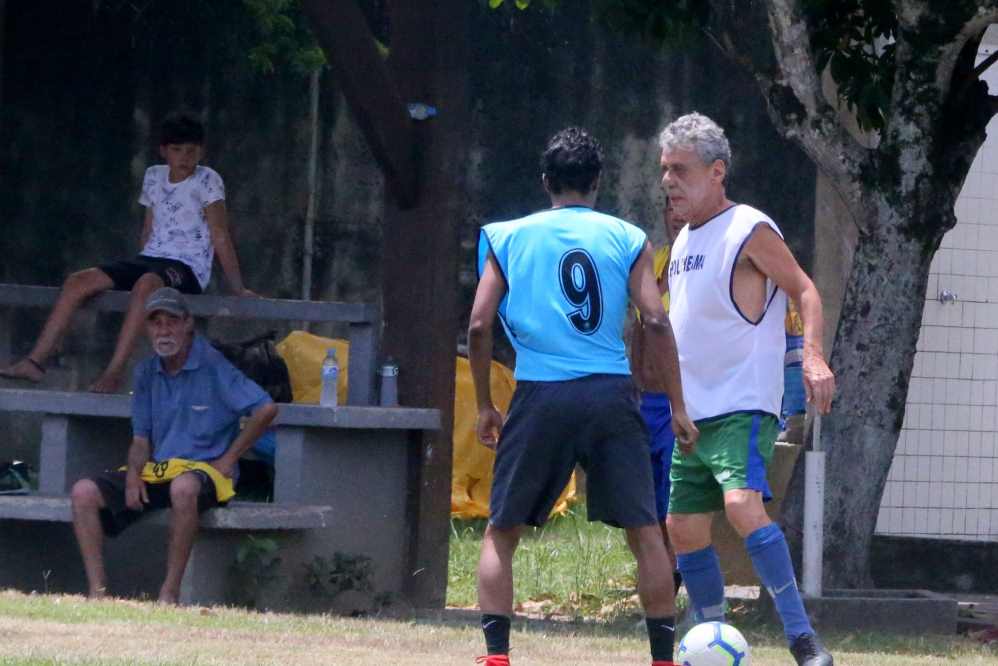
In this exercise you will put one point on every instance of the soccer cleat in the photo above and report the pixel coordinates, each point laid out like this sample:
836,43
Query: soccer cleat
493,660
808,651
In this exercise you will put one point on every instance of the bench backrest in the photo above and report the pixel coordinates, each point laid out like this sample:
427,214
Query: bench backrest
363,320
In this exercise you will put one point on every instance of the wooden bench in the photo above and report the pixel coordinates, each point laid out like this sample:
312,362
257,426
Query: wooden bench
341,482
363,321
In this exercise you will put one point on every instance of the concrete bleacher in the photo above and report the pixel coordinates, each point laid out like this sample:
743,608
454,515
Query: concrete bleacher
342,478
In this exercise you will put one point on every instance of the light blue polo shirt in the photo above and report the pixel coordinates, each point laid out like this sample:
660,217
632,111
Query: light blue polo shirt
195,413
566,271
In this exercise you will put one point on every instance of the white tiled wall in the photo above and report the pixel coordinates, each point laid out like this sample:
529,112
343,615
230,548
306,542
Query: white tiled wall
944,480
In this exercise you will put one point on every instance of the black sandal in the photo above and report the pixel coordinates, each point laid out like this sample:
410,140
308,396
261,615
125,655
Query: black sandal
38,366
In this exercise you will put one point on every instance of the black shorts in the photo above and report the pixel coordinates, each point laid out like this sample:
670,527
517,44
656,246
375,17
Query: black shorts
593,421
175,273
115,516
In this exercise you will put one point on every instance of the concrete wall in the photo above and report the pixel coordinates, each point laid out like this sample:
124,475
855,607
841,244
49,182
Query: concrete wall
85,88
944,480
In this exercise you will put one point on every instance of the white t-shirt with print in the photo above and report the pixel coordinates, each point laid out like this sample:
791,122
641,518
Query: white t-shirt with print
179,227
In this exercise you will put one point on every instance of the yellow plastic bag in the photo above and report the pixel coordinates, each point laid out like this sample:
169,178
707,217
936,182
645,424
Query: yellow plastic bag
304,354
471,479
471,482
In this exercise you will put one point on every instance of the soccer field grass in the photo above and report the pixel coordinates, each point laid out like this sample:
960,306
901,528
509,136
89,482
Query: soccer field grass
43,629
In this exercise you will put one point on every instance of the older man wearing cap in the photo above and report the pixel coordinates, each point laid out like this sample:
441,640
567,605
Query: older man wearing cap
186,444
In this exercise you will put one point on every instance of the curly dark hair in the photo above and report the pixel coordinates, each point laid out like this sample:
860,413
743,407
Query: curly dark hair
181,127
572,161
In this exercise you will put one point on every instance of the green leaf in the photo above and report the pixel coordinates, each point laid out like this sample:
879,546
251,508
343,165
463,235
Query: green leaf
522,4
495,4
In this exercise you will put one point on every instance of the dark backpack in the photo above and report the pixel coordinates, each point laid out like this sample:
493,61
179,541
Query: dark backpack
258,359
17,478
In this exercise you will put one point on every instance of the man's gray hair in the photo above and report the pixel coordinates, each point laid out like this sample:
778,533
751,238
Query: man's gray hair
697,132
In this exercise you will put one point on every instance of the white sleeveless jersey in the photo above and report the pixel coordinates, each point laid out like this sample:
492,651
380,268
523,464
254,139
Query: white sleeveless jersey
728,362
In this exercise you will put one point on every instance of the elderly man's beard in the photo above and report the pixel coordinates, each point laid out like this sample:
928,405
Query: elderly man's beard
166,347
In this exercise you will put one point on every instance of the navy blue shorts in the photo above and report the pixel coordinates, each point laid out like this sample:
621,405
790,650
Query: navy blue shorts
115,517
657,413
176,274
592,421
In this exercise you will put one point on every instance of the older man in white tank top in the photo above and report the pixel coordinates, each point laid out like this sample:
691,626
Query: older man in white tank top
729,278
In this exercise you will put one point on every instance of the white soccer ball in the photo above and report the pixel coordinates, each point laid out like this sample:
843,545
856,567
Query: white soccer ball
714,644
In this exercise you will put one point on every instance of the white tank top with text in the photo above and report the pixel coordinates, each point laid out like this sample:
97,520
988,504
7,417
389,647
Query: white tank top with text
728,362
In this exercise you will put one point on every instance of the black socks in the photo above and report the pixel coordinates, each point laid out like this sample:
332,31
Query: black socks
662,637
496,629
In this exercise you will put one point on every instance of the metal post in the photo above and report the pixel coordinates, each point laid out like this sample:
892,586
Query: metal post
814,513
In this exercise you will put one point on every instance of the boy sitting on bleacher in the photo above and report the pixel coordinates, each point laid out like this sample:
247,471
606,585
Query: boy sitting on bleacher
184,228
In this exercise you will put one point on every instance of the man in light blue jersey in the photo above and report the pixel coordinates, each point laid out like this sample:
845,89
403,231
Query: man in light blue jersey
560,281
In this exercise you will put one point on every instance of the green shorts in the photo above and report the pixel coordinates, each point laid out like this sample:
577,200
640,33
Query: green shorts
733,453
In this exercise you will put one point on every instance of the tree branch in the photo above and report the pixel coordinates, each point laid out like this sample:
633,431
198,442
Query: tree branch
822,130
369,89
913,18
987,62
795,101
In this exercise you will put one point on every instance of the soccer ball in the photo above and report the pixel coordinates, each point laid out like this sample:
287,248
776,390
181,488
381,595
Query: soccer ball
714,644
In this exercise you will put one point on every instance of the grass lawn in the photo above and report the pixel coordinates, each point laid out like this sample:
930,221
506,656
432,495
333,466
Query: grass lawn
48,629
569,569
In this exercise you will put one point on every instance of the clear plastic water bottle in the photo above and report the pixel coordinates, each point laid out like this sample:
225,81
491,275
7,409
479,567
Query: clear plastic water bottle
389,384
330,379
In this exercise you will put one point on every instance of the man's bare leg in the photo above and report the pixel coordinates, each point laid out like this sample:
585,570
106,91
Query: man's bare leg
87,503
184,491
77,288
495,586
655,589
110,380
495,570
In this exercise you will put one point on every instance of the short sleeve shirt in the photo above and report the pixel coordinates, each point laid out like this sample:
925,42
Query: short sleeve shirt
194,414
179,227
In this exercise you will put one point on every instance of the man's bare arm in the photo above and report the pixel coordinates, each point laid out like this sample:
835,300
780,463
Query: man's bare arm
660,343
138,455
491,289
135,487
146,229
771,256
251,432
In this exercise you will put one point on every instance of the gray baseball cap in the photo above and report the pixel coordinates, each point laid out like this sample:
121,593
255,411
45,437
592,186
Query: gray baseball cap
169,300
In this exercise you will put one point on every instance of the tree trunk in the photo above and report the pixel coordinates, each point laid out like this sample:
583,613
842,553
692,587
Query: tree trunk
2,13
423,163
873,357
935,126
420,265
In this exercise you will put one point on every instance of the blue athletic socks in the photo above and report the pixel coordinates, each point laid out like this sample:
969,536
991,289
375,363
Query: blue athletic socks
701,572
771,558
662,637
496,630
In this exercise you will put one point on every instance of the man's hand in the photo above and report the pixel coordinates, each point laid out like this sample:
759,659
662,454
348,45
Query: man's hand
819,382
488,426
686,432
245,293
224,466
136,495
